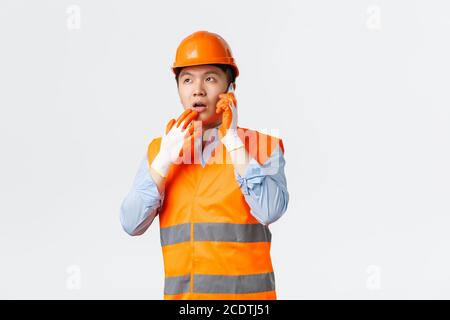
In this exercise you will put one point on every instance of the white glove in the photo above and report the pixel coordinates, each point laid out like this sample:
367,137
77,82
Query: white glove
172,142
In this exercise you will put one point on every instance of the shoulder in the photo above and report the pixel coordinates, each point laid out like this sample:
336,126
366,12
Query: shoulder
260,145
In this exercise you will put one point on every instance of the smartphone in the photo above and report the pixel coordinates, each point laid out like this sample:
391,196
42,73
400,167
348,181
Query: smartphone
230,88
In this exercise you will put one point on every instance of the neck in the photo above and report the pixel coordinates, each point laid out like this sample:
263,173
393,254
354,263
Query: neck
206,134
211,125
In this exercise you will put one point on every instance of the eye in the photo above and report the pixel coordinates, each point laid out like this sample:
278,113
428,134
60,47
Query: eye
212,78
186,80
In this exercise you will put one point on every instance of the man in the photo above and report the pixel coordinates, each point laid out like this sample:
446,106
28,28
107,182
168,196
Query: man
215,186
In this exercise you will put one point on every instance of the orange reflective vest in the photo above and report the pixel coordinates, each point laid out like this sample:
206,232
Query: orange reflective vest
213,248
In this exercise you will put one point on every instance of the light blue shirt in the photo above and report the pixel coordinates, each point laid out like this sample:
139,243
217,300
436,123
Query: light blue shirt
263,186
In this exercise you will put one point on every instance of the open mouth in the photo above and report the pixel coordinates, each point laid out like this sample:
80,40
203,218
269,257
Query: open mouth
199,107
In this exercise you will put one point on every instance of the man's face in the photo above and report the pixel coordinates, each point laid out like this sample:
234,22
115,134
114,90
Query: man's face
199,88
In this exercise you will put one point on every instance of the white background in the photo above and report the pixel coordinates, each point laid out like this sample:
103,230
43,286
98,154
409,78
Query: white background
359,91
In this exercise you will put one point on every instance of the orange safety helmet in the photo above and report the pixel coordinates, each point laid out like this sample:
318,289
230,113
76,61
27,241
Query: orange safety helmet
203,47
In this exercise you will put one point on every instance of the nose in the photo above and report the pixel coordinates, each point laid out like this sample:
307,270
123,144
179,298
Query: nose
199,90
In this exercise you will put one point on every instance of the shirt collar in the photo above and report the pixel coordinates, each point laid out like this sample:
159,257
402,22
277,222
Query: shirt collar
211,134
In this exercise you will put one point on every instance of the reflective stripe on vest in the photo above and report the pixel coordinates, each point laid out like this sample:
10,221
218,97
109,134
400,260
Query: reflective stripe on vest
175,234
221,284
231,232
178,284
215,232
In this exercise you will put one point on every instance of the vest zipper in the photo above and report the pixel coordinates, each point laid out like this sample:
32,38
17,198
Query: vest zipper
191,284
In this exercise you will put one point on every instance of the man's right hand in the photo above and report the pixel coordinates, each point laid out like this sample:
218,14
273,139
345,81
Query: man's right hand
178,133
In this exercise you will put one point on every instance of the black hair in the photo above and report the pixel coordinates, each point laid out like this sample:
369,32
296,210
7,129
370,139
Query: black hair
231,77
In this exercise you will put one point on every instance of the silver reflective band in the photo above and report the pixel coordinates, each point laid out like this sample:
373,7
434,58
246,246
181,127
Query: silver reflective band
175,234
231,232
234,284
178,284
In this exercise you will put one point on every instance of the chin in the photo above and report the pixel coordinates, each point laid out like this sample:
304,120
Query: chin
205,117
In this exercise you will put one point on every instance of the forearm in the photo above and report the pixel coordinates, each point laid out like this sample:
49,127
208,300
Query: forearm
268,201
142,202
264,187
137,213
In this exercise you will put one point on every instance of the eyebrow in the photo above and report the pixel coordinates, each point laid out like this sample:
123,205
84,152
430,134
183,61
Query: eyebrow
185,73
